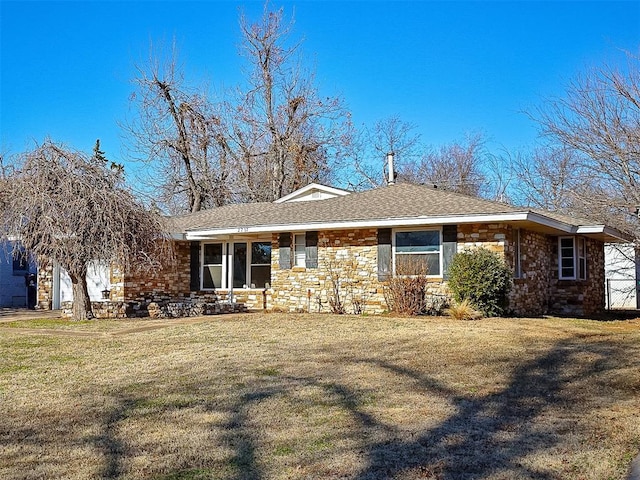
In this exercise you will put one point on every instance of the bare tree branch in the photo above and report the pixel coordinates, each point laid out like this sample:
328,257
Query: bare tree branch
70,208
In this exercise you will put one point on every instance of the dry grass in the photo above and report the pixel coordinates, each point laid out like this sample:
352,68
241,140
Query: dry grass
300,396
463,311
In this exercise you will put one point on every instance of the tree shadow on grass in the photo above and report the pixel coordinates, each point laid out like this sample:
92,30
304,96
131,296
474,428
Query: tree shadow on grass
238,437
113,448
488,435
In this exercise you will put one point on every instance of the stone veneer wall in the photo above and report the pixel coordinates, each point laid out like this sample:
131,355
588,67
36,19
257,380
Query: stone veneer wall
170,281
351,256
45,286
579,297
348,255
529,295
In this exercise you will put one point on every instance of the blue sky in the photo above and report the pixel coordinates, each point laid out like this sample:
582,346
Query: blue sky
449,67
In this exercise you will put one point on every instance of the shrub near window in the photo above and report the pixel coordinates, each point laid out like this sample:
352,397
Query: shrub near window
482,278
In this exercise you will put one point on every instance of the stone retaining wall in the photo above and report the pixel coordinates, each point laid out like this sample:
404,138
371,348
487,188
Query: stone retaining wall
159,308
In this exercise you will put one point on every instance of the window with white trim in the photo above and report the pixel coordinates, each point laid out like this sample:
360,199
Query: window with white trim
300,250
212,263
572,258
418,252
260,264
240,264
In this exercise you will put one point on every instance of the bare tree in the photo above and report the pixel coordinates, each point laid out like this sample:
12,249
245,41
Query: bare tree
547,178
70,208
389,135
599,119
456,167
176,130
270,136
282,133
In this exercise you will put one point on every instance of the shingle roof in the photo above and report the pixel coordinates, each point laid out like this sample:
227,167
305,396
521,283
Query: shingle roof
389,202
393,203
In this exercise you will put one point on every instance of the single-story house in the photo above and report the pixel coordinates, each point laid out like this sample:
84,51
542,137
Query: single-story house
292,254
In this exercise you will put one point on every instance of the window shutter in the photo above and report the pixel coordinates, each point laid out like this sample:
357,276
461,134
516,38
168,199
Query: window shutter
284,247
311,249
449,247
194,265
384,254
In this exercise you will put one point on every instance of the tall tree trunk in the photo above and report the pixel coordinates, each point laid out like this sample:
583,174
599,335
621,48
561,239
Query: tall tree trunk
81,308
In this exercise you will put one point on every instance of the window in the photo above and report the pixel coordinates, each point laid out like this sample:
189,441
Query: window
260,264
582,259
248,265
212,265
20,265
20,262
517,266
418,253
300,250
572,258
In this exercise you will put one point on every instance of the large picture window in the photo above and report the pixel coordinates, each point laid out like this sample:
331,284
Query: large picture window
572,258
418,252
248,264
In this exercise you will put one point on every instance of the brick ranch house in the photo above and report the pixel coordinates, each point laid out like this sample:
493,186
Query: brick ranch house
287,255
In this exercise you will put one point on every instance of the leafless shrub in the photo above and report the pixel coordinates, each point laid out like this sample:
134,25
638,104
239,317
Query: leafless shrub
339,275
406,291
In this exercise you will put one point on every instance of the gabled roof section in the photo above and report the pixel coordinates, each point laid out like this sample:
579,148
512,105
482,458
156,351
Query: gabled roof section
313,191
397,205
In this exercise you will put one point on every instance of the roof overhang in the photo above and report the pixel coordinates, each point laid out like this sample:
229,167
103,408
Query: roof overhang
524,219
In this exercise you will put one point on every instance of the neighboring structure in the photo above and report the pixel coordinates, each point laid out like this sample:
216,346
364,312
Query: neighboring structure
296,253
621,267
17,279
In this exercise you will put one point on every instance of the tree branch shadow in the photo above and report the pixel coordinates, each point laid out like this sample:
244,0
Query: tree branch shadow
489,434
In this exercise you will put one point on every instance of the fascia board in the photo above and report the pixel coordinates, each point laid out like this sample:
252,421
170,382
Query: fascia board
603,229
389,222
587,229
551,223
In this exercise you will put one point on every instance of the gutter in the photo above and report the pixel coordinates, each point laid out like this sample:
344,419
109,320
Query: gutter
523,216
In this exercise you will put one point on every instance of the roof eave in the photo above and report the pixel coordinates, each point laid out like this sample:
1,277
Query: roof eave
358,224
604,233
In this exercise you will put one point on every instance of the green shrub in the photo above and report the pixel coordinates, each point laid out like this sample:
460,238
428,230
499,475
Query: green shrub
481,277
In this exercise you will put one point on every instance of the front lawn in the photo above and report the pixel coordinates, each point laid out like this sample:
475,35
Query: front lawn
318,397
